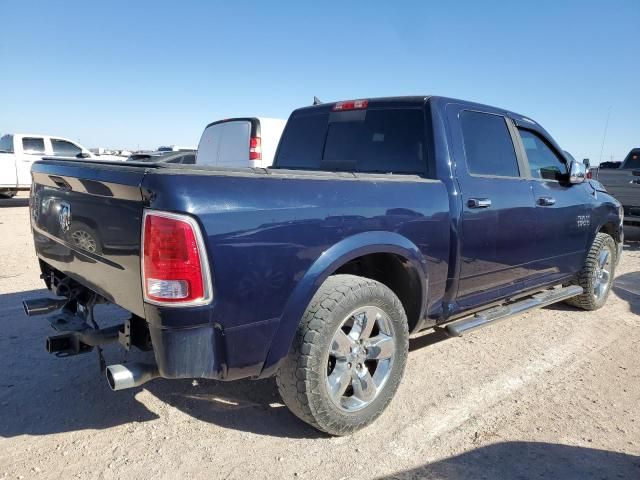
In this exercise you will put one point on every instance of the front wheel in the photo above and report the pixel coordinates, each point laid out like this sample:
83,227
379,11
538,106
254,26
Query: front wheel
348,356
597,274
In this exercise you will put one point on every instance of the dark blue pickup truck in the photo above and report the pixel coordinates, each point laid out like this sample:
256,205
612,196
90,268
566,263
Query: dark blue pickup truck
378,219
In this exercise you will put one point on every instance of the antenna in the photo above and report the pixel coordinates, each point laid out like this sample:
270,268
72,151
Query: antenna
604,136
316,100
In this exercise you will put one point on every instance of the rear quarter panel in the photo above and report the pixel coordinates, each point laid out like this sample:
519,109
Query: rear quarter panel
265,232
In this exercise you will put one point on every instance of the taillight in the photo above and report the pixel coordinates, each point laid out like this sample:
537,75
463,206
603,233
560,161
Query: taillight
351,105
175,269
255,149
589,174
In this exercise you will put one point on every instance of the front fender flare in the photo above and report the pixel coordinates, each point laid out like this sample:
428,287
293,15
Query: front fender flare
329,261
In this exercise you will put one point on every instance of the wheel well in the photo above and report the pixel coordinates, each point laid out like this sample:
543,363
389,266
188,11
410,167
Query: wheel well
610,229
396,273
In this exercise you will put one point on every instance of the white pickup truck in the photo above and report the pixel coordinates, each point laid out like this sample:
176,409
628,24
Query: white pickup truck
19,151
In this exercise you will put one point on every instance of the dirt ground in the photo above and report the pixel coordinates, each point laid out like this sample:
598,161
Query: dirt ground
554,393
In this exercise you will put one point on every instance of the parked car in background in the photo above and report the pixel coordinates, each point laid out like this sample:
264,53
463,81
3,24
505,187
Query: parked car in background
609,165
379,218
240,142
185,157
176,148
19,151
624,184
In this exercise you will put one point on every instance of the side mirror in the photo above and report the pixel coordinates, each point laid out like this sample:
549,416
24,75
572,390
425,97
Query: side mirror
577,172
83,155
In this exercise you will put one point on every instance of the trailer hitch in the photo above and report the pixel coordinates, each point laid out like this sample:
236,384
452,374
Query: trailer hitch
79,331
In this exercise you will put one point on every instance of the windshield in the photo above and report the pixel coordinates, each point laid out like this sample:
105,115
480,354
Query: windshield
385,140
6,144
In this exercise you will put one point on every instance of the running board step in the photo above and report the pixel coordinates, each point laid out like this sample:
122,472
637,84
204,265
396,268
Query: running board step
485,317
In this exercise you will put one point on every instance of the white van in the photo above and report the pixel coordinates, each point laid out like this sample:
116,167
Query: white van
240,142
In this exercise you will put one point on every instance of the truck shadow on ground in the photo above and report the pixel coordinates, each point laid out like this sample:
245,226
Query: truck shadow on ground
41,394
627,287
14,202
521,460
631,239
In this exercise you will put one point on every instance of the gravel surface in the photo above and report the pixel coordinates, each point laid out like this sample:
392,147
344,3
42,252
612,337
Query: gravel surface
554,393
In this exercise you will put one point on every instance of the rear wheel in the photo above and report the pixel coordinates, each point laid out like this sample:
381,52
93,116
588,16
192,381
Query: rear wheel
597,274
348,355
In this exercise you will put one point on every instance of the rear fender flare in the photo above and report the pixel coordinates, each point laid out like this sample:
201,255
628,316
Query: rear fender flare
328,262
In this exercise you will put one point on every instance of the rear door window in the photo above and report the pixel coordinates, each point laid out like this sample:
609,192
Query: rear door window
62,148
543,161
387,140
33,145
488,146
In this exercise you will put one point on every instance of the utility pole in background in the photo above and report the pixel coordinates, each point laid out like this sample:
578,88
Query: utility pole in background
604,136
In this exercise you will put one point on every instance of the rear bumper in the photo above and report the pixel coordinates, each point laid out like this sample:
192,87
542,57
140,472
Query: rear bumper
209,351
192,344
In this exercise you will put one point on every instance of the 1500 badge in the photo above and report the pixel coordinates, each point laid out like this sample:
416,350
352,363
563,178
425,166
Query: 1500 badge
583,221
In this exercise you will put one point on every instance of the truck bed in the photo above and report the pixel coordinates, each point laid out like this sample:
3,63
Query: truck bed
252,219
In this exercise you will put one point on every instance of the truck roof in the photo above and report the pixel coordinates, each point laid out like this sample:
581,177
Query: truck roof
40,135
418,100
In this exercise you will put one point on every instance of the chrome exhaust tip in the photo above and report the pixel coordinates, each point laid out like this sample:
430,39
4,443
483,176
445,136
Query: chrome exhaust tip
42,306
121,377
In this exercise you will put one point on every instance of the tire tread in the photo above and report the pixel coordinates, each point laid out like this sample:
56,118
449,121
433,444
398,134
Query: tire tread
298,383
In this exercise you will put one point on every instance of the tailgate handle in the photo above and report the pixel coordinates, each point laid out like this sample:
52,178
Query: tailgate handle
60,182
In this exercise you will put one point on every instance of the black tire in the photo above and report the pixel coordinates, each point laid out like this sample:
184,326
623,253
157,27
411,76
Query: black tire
303,376
8,193
588,277
84,237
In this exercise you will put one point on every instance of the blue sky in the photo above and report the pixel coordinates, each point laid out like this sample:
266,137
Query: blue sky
128,74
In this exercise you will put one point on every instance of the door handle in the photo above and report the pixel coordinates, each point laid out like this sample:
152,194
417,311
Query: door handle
546,201
479,203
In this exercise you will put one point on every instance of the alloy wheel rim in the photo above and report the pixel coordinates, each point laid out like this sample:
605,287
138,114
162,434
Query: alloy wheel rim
602,274
360,358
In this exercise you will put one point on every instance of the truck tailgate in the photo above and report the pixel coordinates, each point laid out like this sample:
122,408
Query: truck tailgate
86,219
622,185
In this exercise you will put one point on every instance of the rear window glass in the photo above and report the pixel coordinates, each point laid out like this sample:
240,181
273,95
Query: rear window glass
6,144
374,140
